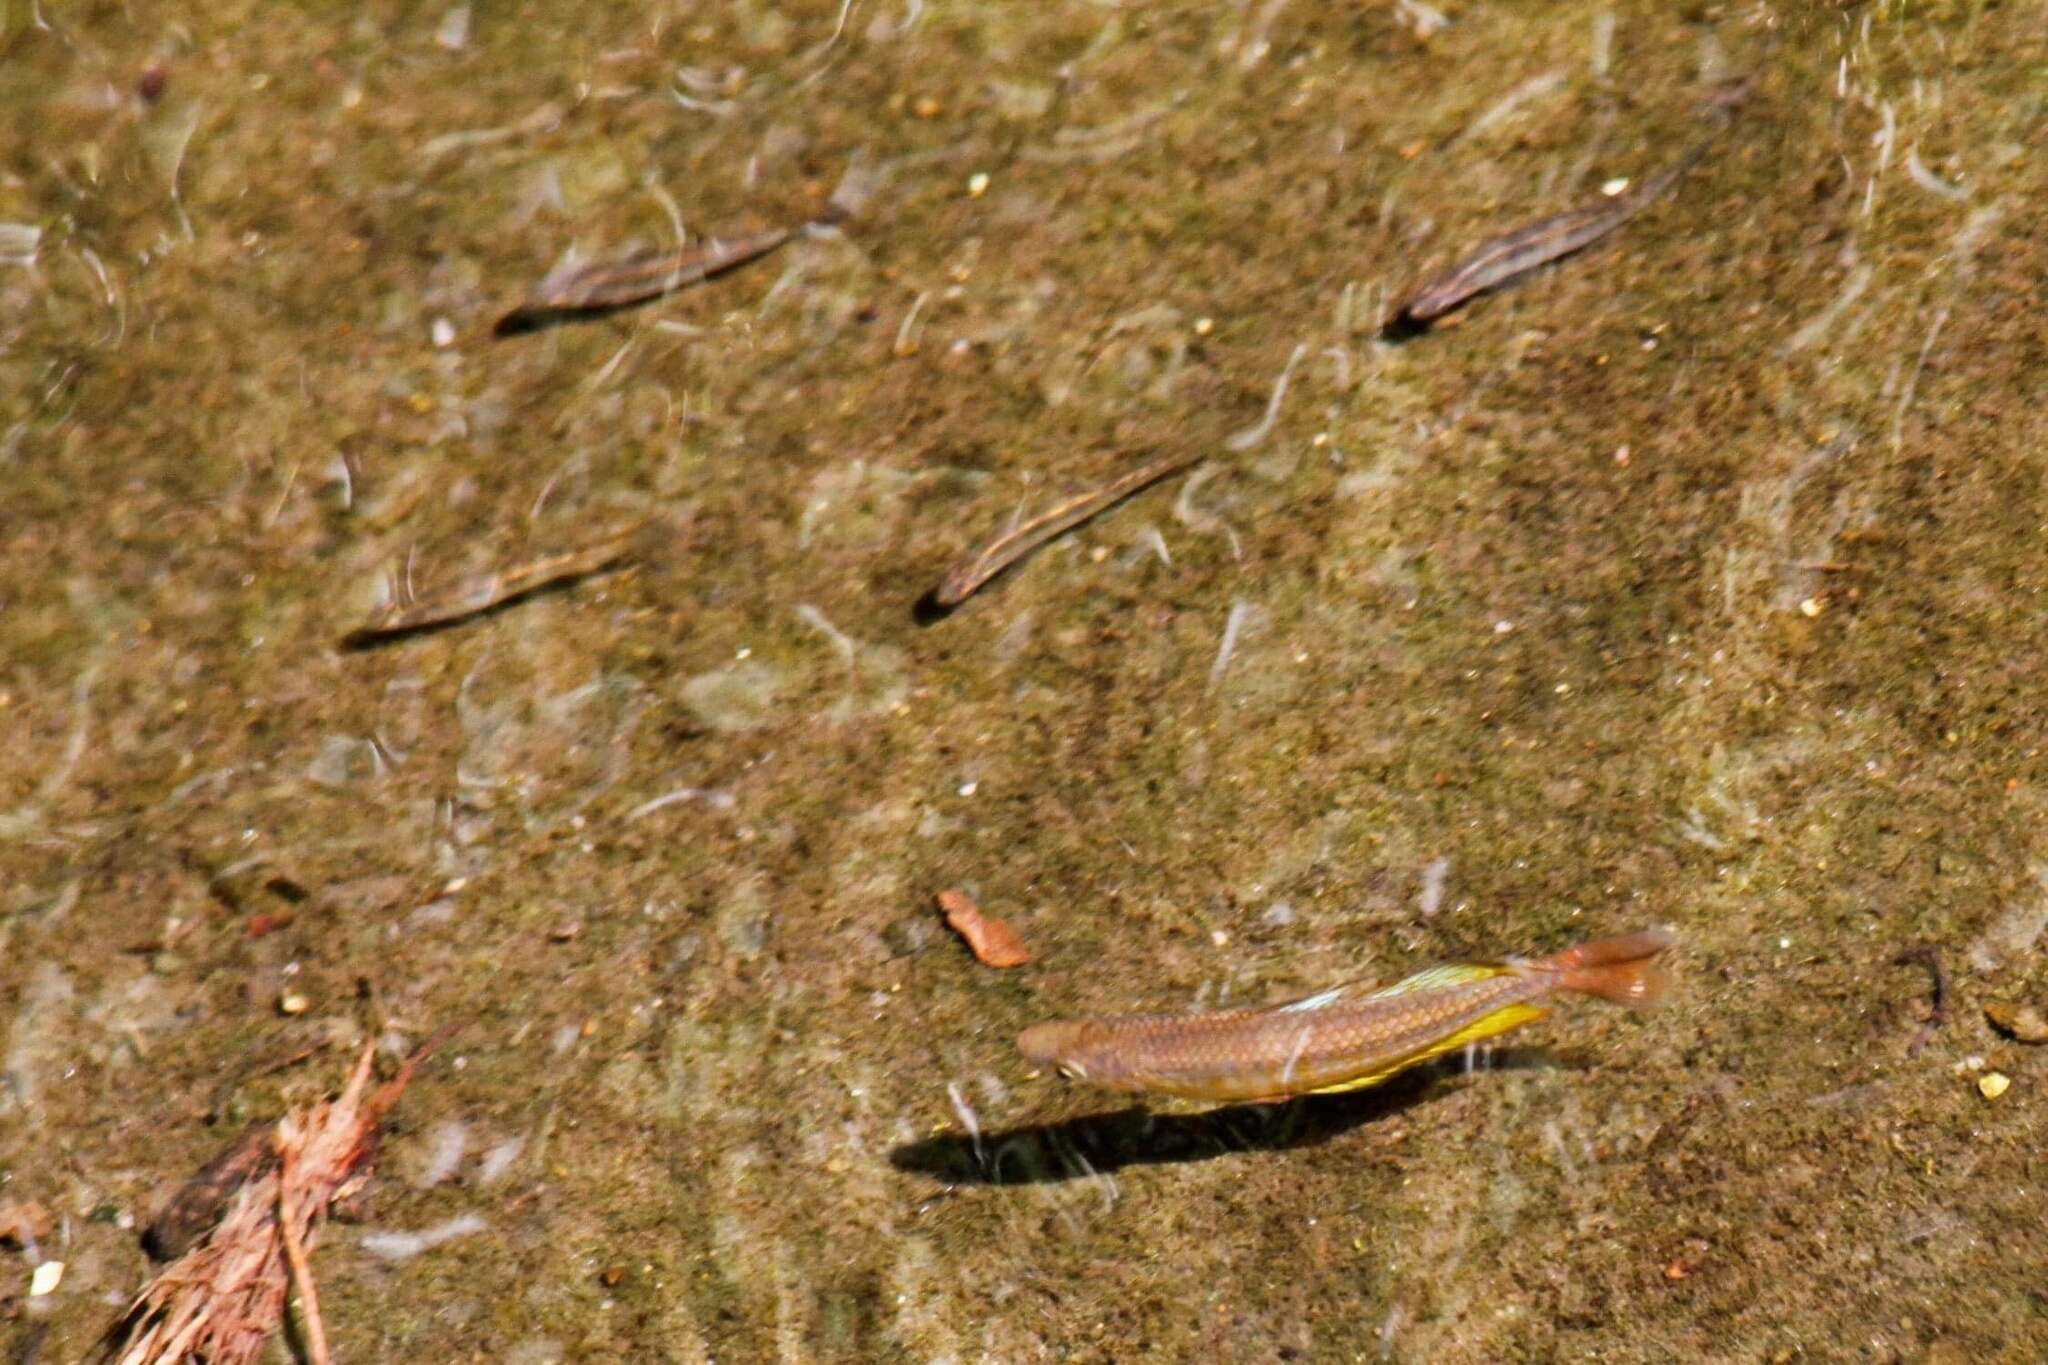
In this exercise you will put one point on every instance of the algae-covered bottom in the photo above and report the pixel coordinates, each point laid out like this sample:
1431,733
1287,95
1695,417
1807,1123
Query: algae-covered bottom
1694,579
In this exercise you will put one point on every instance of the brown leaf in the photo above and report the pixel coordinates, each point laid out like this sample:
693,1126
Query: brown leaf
2023,1022
994,943
200,1202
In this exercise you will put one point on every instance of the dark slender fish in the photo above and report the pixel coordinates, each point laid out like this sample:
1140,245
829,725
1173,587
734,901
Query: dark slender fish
475,596
1347,1037
971,573
606,286
609,285
1523,250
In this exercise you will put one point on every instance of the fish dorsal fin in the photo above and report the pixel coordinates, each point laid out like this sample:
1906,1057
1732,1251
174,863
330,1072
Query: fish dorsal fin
1438,978
1433,979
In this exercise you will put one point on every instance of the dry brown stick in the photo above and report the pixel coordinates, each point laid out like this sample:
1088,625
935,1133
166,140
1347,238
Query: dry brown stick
474,596
1937,1013
302,1273
973,572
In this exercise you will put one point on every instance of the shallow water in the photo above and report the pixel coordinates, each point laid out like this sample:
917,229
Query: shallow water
1695,580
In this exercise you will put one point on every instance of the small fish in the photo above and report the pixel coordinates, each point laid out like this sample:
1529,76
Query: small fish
486,592
1517,253
607,286
973,572
610,285
1345,1038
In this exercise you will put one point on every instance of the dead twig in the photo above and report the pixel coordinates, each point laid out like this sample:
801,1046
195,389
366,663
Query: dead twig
221,1300
302,1273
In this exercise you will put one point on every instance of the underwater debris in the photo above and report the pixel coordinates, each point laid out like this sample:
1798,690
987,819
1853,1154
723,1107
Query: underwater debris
994,943
1261,429
24,1222
2022,1023
221,1299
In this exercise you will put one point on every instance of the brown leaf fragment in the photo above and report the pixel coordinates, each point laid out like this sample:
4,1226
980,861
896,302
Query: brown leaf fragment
266,922
994,943
200,1202
23,1221
2023,1022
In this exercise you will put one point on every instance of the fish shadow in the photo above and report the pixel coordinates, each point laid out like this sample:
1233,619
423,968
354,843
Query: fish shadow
929,611
1402,328
1101,1144
528,318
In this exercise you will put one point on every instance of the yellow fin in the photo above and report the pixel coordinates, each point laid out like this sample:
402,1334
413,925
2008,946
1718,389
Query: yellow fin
1479,1030
1437,978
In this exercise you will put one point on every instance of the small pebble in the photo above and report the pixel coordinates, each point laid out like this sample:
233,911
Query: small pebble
292,1002
46,1278
1992,1084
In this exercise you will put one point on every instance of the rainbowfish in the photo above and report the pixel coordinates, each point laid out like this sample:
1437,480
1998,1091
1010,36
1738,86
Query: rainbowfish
1347,1037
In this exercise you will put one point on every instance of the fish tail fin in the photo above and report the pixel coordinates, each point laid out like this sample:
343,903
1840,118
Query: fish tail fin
1624,969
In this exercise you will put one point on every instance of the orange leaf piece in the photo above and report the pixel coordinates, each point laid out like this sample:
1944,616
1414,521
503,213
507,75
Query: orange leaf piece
994,943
